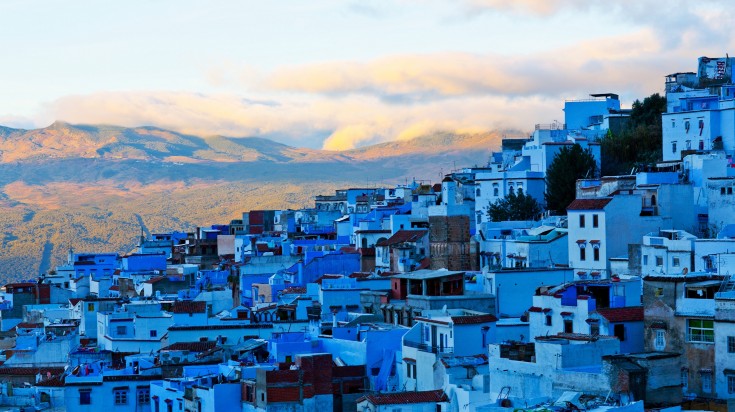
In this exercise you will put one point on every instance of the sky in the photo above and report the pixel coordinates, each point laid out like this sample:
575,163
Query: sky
340,74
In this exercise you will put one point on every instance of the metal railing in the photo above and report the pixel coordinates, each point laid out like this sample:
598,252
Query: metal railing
428,348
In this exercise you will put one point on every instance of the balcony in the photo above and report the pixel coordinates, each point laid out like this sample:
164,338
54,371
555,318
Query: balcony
551,126
428,348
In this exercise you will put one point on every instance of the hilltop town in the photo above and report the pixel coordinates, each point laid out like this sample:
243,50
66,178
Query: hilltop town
413,297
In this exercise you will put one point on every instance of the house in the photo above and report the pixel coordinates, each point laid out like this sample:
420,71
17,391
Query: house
593,307
422,401
679,311
602,228
699,110
544,369
439,335
434,289
403,252
312,383
543,246
96,386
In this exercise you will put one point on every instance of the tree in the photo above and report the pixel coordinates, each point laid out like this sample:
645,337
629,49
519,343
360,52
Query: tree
639,142
514,207
569,164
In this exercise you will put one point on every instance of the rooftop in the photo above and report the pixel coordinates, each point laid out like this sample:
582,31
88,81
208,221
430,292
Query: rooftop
427,274
405,397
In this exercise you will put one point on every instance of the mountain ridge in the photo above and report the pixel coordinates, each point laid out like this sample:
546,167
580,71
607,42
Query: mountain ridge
91,186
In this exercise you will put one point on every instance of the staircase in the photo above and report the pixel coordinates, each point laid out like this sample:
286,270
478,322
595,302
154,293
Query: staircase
728,284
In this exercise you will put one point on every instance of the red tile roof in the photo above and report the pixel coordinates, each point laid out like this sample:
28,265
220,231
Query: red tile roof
589,204
535,309
473,319
189,306
29,371
192,346
401,398
155,279
404,236
628,314
29,325
326,276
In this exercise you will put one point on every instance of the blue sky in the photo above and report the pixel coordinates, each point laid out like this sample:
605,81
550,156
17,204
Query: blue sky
340,74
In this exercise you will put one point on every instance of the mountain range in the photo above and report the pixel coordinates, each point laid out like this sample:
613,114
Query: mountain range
93,187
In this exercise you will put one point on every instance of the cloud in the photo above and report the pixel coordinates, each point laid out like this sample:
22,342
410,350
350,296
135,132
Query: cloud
625,63
347,121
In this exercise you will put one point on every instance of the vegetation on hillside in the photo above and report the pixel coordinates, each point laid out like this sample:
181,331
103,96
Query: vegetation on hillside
639,142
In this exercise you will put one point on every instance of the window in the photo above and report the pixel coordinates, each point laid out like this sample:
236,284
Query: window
706,382
122,330
684,378
619,332
730,383
660,342
144,396
582,254
85,396
675,262
548,320
568,326
645,259
659,292
701,145
581,220
408,370
700,330
477,193
673,123
90,307
659,261
595,329
121,396
495,189
731,344
596,254
673,147
686,125
154,333
595,221
722,190
729,190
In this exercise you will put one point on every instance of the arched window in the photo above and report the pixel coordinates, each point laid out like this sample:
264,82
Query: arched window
495,189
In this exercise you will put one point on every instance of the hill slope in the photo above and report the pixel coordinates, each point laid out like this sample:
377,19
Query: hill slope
91,187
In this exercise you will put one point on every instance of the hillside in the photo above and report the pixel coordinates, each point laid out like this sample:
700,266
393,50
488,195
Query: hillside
93,187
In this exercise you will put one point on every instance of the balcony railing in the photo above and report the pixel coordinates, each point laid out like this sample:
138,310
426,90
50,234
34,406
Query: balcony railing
428,348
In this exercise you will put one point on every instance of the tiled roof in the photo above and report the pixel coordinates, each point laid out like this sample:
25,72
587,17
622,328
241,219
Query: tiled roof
628,314
192,346
189,306
402,398
404,236
326,276
155,279
29,325
294,289
21,371
535,309
589,204
473,319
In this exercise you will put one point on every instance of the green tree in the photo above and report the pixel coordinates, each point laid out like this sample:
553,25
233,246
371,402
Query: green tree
514,207
639,142
569,164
